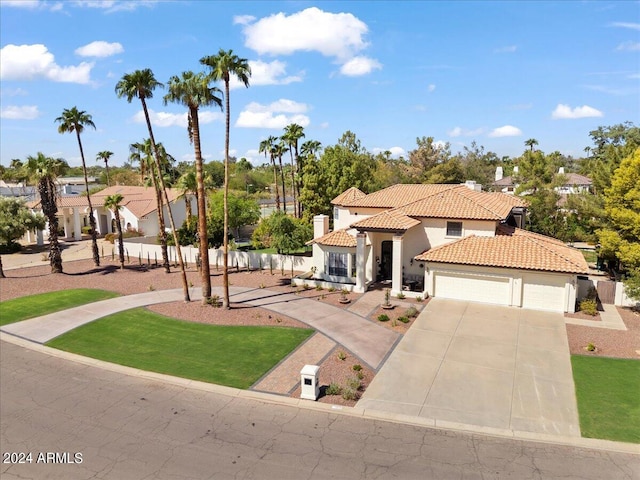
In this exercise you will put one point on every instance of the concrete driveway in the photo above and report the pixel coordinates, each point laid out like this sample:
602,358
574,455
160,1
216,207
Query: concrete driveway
485,365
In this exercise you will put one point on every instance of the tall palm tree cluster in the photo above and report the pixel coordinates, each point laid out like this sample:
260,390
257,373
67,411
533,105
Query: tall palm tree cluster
274,148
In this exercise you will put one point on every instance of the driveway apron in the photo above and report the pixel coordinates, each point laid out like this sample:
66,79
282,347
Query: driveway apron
485,365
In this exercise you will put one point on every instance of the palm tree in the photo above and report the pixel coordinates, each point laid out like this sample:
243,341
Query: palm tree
292,134
187,185
266,146
74,120
105,155
142,153
278,150
222,66
45,170
193,91
531,142
112,202
141,84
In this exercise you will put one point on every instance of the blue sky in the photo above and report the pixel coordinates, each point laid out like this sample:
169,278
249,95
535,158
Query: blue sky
498,73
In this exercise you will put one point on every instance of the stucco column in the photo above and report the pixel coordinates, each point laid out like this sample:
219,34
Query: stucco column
396,272
39,237
361,262
67,225
77,230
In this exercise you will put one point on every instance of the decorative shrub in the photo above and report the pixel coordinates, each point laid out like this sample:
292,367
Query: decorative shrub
354,384
589,306
419,298
387,297
383,317
349,394
357,367
86,230
403,319
333,389
411,312
341,355
360,375
400,296
591,347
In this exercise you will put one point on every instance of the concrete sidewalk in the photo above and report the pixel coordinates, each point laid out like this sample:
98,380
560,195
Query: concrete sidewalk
370,342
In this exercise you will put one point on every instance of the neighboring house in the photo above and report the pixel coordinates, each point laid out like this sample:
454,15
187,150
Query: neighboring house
139,211
574,183
451,241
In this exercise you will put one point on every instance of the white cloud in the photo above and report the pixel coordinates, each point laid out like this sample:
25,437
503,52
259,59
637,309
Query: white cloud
166,119
26,112
256,115
27,62
336,35
13,92
26,4
440,144
463,132
633,26
431,88
628,47
565,111
243,19
507,49
360,66
99,49
505,131
111,6
267,73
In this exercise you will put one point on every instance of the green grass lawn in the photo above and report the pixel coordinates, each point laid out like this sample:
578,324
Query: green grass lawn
36,305
608,393
225,355
590,256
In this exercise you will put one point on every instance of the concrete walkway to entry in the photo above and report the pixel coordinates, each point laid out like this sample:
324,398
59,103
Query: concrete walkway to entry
370,342
484,365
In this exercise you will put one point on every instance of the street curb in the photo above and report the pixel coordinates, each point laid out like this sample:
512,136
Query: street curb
580,442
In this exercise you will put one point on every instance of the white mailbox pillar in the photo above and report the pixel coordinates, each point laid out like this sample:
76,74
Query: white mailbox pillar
309,382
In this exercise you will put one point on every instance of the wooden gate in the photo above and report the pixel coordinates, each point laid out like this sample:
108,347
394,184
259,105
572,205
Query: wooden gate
606,291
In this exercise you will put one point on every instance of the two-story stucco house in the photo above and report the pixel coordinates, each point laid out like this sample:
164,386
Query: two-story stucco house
452,241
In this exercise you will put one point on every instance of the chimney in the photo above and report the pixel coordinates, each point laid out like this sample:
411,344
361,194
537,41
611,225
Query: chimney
561,171
472,185
499,173
320,225
515,170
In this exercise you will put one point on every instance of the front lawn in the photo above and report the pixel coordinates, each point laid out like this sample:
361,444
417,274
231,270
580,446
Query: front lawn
225,355
33,306
607,390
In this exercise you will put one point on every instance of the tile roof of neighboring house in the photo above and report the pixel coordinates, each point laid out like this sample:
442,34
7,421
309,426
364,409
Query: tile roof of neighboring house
141,201
337,238
510,248
394,220
504,182
397,195
577,179
348,196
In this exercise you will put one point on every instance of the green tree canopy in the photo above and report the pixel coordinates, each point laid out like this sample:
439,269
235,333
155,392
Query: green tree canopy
16,220
243,210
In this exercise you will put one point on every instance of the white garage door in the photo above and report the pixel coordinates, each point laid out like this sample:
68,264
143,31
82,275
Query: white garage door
474,288
544,292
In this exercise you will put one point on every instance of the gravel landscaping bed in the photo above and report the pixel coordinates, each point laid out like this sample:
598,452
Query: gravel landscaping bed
608,343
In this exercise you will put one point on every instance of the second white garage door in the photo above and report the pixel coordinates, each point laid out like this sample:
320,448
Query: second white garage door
474,288
543,292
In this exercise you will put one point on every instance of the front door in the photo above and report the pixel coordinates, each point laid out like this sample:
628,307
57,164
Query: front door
386,260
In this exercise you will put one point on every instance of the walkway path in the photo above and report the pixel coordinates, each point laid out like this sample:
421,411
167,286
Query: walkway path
609,318
370,342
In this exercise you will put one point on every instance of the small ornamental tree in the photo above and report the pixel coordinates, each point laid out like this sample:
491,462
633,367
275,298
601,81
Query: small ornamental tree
15,221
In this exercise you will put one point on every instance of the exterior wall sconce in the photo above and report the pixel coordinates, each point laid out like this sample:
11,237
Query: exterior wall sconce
411,262
421,265
378,260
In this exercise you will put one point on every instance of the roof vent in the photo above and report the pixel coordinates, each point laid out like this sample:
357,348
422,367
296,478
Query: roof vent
472,185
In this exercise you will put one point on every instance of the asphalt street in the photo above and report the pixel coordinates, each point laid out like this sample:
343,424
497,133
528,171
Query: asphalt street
125,427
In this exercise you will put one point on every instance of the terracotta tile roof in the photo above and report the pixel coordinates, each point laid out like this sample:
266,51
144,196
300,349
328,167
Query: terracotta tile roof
510,248
398,195
504,182
388,220
463,203
348,196
141,201
577,179
337,238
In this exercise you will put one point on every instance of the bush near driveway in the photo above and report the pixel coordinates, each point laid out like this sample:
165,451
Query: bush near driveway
225,355
607,390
